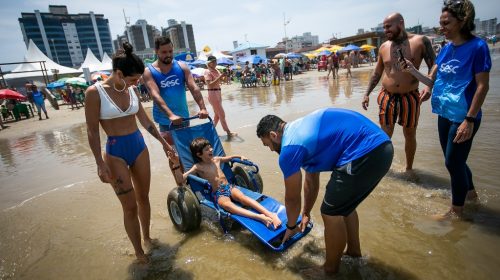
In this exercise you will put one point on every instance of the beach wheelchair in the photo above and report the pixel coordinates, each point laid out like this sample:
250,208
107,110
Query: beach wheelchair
249,80
186,203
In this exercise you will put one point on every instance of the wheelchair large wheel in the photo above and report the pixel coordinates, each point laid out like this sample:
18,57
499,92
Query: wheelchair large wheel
184,209
244,177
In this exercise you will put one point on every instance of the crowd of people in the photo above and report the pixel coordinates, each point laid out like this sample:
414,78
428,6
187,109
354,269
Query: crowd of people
356,151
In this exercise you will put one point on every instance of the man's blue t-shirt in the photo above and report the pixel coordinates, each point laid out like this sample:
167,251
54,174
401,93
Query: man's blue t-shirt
326,139
455,83
173,91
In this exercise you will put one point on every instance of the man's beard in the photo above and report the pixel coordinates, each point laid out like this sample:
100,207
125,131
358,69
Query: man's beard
397,38
166,60
277,147
394,35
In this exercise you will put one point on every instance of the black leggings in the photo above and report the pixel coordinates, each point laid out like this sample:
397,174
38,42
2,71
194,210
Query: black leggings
455,155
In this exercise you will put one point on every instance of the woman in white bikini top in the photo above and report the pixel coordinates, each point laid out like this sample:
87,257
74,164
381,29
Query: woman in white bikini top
115,106
109,109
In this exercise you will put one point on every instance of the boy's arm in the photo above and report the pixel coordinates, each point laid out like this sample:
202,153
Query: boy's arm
229,158
185,175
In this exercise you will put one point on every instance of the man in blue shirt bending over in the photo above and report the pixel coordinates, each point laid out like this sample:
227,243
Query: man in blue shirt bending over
344,142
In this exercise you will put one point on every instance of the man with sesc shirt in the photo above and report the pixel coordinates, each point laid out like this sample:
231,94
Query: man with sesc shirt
166,80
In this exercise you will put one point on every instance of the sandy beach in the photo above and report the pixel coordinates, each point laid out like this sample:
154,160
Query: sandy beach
58,221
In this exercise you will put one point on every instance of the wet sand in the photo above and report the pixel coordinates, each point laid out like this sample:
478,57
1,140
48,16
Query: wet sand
58,221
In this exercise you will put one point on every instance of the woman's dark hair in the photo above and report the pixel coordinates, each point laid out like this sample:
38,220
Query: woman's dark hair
267,124
463,10
127,62
197,146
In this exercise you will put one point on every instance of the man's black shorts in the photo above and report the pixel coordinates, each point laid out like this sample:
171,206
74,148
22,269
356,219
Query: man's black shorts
351,183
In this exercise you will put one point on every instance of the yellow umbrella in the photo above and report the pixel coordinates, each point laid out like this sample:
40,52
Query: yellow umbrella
321,49
367,47
310,55
335,48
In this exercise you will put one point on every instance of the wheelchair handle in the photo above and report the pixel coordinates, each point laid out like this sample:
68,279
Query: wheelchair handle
190,118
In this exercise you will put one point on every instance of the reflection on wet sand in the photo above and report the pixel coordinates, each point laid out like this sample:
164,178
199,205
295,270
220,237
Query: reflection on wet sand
58,221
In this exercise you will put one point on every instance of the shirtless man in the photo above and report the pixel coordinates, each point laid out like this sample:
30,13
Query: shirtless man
166,80
399,98
330,67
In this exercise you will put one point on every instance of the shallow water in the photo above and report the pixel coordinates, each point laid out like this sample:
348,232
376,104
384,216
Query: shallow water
58,221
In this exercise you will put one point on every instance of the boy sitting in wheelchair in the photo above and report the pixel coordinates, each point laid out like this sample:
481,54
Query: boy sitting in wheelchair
208,167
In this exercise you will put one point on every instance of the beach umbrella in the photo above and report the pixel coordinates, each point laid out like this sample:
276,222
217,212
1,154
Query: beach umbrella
280,55
224,61
55,84
77,81
335,48
367,47
254,59
98,76
187,56
293,55
198,62
321,49
11,94
63,80
311,55
324,52
349,48
198,71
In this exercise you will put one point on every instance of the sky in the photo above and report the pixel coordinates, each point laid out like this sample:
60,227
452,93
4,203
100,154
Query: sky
219,23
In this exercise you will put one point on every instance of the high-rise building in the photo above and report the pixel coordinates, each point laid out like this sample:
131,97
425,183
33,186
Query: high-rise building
181,35
486,27
65,37
141,35
303,41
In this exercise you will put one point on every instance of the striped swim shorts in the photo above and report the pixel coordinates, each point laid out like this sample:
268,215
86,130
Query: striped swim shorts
401,107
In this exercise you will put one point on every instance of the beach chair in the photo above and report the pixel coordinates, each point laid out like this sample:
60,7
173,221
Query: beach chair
185,203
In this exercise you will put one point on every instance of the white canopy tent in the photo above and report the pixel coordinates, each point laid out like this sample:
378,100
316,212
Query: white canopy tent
92,63
107,62
33,53
203,55
219,54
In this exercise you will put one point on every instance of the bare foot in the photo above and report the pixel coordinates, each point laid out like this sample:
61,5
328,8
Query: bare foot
452,214
353,254
331,270
231,134
142,259
472,196
265,220
150,244
276,220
